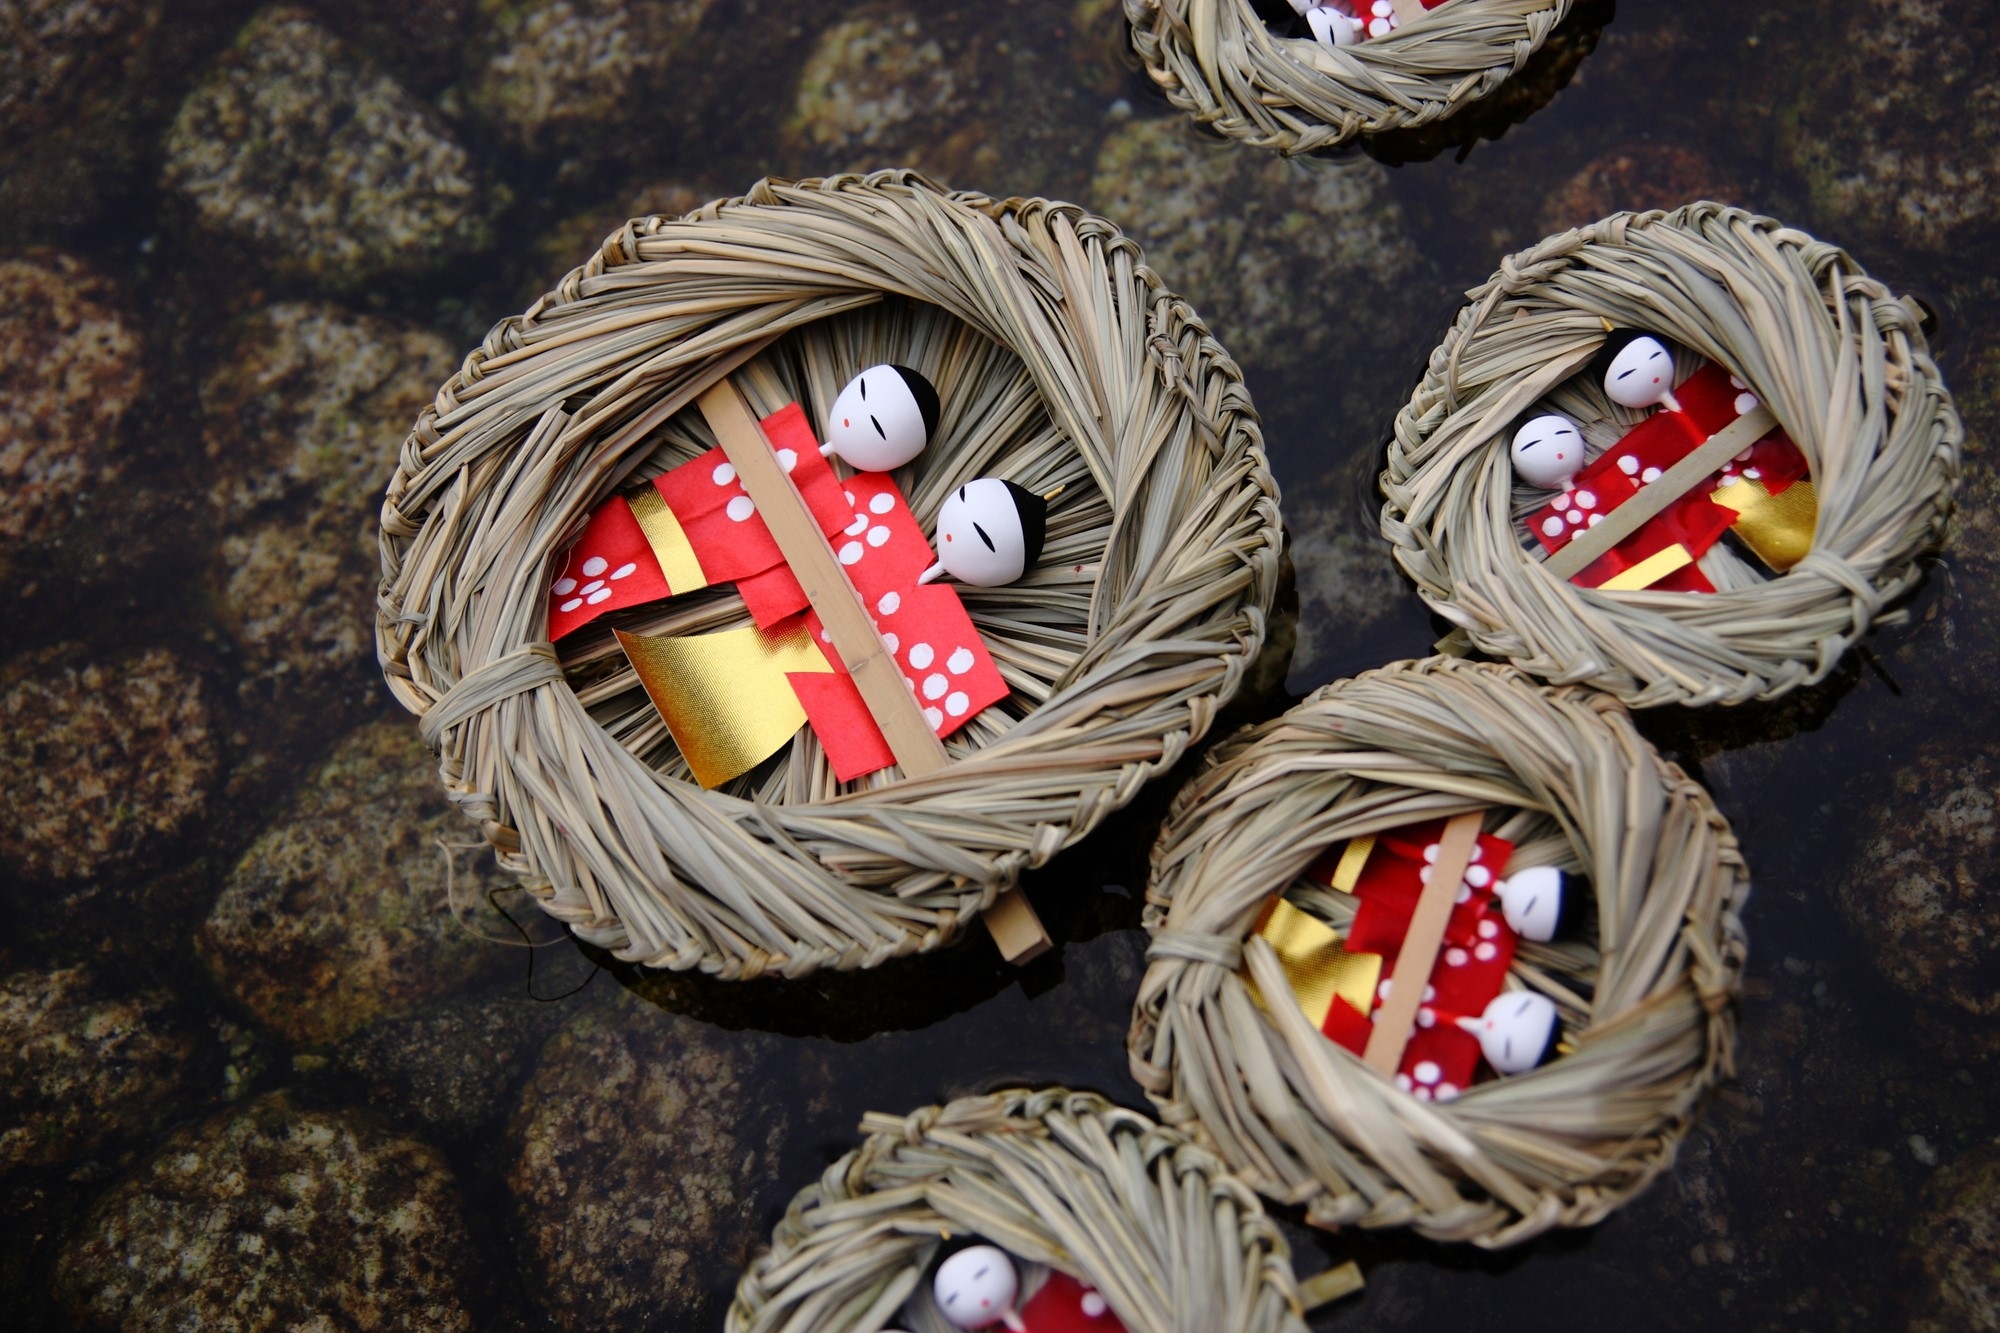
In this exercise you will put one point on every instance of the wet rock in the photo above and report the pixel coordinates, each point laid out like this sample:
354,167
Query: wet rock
105,762
295,146
1916,893
977,109
1268,249
302,420
421,42
275,1216
82,1069
71,366
1897,133
1639,177
557,76
1100,42
454,1067
341,914
640,1151
573,240
1348,582
82,90
1954,1249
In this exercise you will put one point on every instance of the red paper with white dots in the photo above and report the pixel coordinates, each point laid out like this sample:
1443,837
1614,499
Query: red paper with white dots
1064,1305
611,566
1441,1059
1378,17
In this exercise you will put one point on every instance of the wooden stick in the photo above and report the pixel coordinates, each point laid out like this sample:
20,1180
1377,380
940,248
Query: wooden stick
1015,928
1409,11
1677,481
1397,1017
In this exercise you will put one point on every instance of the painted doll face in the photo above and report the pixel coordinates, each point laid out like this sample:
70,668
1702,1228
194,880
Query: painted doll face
1640,375
1516,1031
1548,451
877,423
980,539
1330,27
976,1287
1532,901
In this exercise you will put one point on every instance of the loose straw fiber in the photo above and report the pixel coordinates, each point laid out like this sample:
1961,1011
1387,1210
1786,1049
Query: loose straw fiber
1833,353
1645,994
1216,60
1062,362
1056,1178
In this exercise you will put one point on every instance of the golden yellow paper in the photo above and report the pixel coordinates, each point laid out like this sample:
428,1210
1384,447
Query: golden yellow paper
1777,528
1650,570
670,544
1347,874
724,696
1317,962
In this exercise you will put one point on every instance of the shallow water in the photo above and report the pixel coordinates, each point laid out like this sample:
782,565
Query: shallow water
1816,1186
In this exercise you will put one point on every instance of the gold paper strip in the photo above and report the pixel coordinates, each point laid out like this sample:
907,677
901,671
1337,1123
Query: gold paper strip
1348,873
724,696
1317,962
1779,528
670,544
1650,570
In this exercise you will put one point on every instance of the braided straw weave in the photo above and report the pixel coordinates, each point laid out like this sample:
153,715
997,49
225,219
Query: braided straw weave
1057,1178
1645,998
1062,361
1216,60
1837,358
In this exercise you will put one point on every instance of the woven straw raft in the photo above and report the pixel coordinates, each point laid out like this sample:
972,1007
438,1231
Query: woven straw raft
1062,1181
1219,62
1835,356
1062,362
1644,984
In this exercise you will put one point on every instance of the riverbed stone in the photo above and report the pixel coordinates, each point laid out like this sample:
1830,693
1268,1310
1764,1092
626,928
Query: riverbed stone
1268,250
72,364
895,85
277,1216
1917,893
341,913
1953,1249
106,761
302,420
83,1068
1897,132
297,147
642,1147
1637,177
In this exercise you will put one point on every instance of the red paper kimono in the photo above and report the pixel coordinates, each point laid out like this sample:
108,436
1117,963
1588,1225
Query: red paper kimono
1710,400
1064,1305
923,625
695,526
1442,1058
1378,17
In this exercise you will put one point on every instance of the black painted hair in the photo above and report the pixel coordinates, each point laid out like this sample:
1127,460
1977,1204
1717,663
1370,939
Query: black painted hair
1034,511
1550,1051
926,395
1620,339
1570,915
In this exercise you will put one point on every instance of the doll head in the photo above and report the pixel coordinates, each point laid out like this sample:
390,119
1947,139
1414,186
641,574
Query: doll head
1330,27
977,1287
1638,369
1547,451
1534,899
1517,1032
989,532
882,419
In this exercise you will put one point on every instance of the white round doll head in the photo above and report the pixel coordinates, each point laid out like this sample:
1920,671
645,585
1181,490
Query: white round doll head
989,532
1641,371
882,419
976,1287
1532,901
1548,451
1330,27
1517,1032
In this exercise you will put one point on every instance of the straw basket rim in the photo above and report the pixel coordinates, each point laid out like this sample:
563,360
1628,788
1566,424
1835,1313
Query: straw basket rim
499,473
1219,63
1303,1120
1837,356
1055,1176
